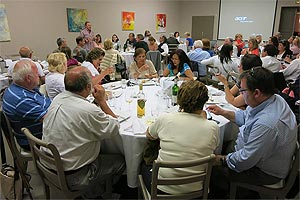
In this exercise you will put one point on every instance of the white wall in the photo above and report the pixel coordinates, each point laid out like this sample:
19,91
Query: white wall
38,23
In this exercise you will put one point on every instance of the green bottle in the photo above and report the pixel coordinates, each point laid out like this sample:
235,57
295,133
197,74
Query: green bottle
175,89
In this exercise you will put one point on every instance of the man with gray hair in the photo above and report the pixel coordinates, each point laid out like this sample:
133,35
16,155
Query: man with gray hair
61,42
198,55
23,104
229,40
26,54
172,39
77,127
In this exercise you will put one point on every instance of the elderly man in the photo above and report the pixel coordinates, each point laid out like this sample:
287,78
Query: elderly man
77,127
23,104
268,135
198,55
229,40
88,35
26,54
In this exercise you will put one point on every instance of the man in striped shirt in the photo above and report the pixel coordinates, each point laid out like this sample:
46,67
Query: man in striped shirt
23,104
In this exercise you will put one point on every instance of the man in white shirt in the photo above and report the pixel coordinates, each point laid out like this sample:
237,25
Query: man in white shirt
26,54
292,72
269,59
76,127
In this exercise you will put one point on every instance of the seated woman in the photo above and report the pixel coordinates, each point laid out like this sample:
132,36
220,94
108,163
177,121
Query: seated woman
177,133
252,47
110,59
179,63
284,50
98,41
93,61
232,95
295,48
116,42
54,80
140,67
70,60
224,61
152,44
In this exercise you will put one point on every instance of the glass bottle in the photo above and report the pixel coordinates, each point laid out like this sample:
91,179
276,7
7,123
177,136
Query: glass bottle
175,89
141,102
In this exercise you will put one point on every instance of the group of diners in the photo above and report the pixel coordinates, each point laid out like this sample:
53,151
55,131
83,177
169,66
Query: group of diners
267,126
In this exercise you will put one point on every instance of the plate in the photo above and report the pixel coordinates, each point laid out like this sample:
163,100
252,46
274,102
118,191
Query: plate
117,93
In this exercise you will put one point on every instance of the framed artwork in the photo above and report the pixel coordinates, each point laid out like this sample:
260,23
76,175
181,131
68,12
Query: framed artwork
127,21
76,19
161,23
4,30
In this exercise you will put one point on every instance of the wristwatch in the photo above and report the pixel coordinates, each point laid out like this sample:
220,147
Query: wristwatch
226,86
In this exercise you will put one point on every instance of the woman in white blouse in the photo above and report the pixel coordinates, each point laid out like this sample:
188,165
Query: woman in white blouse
224,61
55,78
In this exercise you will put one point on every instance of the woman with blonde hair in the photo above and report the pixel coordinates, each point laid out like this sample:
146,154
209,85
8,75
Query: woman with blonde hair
55,78
252,47
111,58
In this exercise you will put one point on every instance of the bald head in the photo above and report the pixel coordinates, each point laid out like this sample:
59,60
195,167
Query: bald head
77,79
25,52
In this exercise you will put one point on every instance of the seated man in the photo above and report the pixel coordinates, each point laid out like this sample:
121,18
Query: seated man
269,60
23,104
26,54
267,138
76,127
229,40
140,43
198,55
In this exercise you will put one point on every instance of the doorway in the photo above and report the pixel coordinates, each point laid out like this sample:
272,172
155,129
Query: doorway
289,21
202,27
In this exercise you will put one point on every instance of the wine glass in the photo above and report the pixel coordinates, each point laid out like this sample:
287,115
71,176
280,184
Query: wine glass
128,97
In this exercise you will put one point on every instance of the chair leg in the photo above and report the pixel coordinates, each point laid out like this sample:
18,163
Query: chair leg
47,192
233,187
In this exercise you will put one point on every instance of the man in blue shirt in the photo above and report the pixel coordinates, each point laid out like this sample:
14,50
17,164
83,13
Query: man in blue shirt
23,104
198,55
267,138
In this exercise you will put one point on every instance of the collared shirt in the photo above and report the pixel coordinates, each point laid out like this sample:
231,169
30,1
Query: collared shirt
54,84
91,67
88,36
267,138
292,72
25,108
76,127
271,63
198,55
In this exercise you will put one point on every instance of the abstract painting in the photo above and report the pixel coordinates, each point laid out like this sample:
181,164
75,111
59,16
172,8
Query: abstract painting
76,19
4,30
127,21
161,23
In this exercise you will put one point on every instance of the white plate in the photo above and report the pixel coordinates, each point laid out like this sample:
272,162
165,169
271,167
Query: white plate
117,93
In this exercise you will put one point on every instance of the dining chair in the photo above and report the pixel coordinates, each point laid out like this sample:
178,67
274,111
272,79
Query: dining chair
54,178
20,156
155,57
205,177
279,190
172,47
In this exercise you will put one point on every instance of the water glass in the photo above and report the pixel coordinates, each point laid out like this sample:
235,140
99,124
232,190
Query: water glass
123,83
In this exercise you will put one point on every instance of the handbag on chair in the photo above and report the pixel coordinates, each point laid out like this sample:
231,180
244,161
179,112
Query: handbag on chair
11,183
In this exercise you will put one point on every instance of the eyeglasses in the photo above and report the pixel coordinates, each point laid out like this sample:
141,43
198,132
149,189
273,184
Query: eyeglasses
243,90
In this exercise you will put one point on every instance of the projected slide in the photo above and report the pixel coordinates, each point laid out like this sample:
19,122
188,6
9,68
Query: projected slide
246,17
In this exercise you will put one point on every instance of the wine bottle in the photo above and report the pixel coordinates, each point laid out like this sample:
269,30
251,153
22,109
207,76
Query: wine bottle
175,89
141,102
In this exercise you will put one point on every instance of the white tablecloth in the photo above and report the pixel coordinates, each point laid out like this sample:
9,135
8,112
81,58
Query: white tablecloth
132,130
128,56
4,81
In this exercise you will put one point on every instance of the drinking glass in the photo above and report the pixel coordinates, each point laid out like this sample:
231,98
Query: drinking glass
128,97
